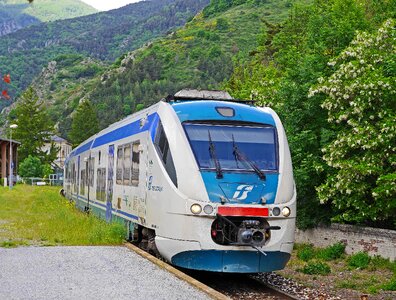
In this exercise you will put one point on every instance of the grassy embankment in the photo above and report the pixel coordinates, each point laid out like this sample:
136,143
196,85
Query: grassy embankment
40,216
332,267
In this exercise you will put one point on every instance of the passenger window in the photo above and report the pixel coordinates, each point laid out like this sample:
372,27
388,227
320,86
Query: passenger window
101,184
162,146
82,182
119,164
127,164
135,163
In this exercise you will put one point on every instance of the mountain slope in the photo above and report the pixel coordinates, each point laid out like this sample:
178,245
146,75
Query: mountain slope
201,55
105,36
17,14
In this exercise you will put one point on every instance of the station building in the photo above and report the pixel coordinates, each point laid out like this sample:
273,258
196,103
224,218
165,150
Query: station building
5,158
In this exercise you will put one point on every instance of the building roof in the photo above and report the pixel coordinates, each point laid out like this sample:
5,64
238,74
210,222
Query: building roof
58,139
8,140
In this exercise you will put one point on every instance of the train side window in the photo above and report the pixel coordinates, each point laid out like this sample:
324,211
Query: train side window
127,164
119,164
91,171
101,184
82,182
162,147
135,163
75,175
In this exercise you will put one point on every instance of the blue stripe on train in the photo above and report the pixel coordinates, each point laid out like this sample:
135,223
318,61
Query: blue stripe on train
120,133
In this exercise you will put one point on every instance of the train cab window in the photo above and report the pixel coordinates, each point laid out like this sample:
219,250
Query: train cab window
135,163
255,144
120,156
162,147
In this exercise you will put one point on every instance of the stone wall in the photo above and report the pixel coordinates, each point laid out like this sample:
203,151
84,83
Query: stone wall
374,241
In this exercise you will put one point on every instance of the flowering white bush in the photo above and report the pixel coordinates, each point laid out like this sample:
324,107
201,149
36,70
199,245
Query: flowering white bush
361,103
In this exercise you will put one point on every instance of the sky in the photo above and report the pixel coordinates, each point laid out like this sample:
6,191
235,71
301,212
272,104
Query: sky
108,4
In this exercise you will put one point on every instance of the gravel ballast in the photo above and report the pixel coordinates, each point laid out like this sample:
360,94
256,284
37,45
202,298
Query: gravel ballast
86,273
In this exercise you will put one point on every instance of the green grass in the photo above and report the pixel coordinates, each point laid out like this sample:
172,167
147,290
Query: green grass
363,273
40,216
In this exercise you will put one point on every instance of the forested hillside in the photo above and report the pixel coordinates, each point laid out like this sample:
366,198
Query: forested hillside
337,101
17,14
326,66
104,36
200,55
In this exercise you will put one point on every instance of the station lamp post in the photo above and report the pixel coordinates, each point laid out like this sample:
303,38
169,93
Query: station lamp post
12,126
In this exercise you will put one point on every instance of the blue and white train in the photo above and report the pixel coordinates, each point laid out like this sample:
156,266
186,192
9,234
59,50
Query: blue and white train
205,179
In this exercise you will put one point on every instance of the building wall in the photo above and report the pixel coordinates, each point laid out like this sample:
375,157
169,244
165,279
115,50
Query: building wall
374,241
64,150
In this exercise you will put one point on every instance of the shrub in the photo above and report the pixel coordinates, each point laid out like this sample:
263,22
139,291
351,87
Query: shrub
315,268
359,260
306,252
332,252
390,286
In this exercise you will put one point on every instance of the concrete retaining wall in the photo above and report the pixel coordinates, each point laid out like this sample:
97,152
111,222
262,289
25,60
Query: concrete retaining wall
374,241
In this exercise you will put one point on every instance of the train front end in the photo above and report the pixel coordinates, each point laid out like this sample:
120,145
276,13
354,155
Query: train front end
246,222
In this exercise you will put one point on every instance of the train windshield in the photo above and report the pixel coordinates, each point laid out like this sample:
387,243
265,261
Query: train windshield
240,148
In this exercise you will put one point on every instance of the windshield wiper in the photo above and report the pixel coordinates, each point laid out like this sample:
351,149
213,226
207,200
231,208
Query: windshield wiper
212,150
243,158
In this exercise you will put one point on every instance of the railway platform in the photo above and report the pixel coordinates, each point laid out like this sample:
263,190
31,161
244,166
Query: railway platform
87,273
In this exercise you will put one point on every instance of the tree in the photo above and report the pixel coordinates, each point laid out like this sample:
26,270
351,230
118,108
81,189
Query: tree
31,167
34,128
84,124
360,102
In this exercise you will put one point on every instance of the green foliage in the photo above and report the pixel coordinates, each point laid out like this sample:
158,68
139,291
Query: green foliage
315,268
200,55
280,75
305,252
34,128
85,123
391,285
359,260
332,252
31,167
360,97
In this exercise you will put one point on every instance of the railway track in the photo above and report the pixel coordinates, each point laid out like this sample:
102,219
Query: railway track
240,286
220,286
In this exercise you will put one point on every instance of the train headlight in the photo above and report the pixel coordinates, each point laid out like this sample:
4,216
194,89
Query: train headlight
276,211
286,211
208,209
196,209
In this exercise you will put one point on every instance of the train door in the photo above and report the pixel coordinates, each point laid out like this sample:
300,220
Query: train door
110,183
139,177
78,178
